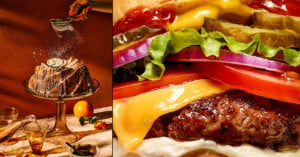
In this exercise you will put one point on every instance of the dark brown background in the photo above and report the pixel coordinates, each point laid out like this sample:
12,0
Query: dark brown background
27,39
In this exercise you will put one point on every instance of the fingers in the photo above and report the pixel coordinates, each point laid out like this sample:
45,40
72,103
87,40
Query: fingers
79,12
73,9
82,15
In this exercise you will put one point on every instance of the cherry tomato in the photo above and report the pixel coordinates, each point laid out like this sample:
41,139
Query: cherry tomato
284,7
173,75
259,82
100,125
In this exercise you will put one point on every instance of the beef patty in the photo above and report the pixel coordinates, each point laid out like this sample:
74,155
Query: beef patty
234,117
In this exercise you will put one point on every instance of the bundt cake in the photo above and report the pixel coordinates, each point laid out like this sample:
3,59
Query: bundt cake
60,77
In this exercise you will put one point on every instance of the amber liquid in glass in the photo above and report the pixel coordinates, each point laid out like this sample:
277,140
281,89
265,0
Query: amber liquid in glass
36,141
36,134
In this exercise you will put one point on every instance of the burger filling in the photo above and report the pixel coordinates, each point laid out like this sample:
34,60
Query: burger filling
234,118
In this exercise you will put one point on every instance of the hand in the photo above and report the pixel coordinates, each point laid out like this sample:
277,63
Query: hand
79,9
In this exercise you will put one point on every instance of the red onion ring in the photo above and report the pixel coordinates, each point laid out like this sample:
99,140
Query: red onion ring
132,53
195,54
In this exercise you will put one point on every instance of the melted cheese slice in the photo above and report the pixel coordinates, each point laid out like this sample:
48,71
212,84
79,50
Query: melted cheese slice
133,117
191,13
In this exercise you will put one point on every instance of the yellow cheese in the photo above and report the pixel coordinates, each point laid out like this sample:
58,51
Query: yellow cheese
133,117
194,18
191,13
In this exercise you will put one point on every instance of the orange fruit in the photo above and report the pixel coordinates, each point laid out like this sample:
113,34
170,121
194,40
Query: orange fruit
83,108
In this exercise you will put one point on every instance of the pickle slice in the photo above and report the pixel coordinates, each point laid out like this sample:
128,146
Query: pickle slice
274,21
134,35
245,34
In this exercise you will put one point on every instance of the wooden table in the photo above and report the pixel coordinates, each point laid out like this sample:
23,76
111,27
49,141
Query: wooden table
86,134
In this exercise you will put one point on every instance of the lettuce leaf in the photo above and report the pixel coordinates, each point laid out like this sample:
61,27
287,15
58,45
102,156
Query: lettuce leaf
174,41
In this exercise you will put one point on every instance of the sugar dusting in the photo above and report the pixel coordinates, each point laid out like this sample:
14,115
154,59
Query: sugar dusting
68,39
67,42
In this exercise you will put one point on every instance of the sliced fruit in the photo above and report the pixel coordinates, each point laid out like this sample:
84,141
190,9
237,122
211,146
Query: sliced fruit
174,75
283,87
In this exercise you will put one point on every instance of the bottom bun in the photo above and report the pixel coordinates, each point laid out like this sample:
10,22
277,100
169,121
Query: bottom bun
166,147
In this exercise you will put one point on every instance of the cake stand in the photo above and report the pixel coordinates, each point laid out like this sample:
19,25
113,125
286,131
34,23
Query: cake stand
60,128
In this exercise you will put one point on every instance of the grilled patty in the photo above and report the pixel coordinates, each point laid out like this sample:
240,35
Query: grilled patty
234,117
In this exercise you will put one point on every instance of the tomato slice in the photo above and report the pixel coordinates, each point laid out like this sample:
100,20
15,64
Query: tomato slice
259,82
173,75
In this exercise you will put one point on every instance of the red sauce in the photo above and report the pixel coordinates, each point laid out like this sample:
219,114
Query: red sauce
156,17
284,7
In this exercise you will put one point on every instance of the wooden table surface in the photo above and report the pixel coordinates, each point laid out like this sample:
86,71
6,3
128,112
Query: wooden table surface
86,134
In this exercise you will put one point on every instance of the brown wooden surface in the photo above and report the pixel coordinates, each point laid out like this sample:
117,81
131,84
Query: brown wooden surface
86,134
26,38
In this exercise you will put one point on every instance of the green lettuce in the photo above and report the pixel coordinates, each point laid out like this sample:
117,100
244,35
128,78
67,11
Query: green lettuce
210,42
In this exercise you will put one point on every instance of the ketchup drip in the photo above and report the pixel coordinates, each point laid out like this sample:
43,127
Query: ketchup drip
284,7
156,17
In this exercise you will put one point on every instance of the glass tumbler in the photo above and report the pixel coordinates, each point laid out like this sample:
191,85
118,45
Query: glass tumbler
36,134
8,115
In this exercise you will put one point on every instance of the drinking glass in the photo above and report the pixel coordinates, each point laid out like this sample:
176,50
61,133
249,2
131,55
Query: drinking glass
8,115
36,134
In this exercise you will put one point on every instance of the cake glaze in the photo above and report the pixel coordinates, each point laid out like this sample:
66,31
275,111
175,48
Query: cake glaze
60,77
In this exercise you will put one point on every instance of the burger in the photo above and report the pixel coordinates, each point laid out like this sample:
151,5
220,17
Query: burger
206,78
